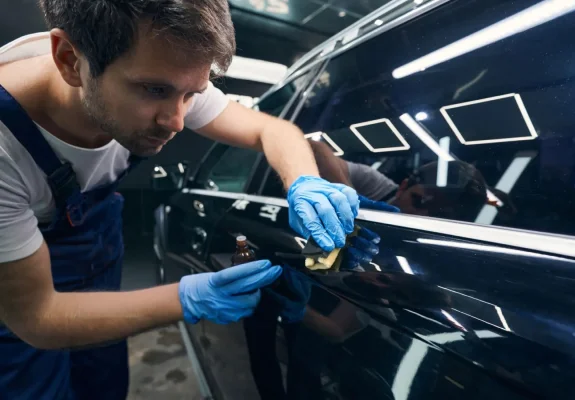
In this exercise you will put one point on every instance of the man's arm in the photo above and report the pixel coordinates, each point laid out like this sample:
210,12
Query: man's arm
331,167
283,144
44,318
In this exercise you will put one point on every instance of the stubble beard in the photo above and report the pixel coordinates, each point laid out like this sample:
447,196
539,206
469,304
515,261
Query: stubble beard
96,110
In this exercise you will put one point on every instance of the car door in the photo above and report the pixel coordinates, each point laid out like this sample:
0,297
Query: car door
193,215
470,295
201,240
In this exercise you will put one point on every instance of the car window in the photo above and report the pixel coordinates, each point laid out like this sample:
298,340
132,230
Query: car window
463,114
275,102
230,168
232,171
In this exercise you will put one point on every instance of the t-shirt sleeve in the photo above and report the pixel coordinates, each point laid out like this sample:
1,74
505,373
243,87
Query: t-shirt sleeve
206,107
369,182
19,233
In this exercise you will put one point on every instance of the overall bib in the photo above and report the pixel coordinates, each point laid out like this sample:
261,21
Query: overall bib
86,251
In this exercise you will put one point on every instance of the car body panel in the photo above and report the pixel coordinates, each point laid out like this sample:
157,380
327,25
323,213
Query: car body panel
447,309
428,302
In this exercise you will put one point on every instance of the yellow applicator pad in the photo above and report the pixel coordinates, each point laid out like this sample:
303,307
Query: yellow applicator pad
317,259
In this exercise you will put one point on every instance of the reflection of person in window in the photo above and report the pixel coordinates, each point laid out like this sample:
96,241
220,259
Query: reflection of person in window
461,198
366,181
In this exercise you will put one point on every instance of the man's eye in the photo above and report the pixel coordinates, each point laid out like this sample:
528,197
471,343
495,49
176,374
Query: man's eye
155,90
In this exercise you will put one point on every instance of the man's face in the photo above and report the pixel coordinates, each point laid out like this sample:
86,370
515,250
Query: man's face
410,200
426,201
141,99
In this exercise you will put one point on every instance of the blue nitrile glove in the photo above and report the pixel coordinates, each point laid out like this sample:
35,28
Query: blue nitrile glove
361,249
216,295
293,296
324,210
364,202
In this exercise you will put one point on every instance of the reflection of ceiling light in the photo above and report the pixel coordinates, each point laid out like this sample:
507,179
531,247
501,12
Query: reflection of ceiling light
421,116
502,319
255,70
181,167
418,2
404,264
533,16
378,22
314,136
416,128
381,149
486,248
453,320
300,241
342,14
520,105
376,266
409,366
425,138
442,164
160,172
508,180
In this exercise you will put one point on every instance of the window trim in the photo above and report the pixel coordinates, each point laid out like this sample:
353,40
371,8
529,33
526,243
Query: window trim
400,20
535,241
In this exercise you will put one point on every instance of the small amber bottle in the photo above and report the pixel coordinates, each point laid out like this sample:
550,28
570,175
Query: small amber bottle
244,253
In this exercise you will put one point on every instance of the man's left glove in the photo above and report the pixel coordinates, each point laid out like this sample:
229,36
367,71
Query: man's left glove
293,295
324,210
228,295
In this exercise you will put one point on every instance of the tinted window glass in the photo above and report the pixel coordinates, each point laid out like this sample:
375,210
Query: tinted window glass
274,103
232,171
486,136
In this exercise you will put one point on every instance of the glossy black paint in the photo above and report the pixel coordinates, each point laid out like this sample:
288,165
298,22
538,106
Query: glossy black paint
436,331
433,315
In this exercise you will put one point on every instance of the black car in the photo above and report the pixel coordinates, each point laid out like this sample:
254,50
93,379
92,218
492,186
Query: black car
468,107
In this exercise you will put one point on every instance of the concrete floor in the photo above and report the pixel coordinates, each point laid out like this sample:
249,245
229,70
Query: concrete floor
159,366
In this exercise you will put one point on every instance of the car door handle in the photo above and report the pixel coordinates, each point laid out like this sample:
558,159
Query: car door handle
199,237
199,206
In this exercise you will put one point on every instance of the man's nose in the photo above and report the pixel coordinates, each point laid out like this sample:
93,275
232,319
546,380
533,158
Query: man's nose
171,118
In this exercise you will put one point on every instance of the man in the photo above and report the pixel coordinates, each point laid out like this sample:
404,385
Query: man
461,198
112,82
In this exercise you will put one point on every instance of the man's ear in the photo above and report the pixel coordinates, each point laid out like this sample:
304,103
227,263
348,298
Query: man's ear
66,57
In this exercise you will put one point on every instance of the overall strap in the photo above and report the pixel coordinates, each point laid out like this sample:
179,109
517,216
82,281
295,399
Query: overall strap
61,176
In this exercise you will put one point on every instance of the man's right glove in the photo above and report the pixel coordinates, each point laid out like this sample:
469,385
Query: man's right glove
361,250
366,203
221,296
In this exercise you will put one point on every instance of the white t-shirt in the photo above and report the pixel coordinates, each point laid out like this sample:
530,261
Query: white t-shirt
25,196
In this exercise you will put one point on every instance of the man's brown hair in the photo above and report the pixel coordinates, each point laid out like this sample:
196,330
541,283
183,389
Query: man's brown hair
104,30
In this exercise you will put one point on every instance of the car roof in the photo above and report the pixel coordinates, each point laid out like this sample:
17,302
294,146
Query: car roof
390,15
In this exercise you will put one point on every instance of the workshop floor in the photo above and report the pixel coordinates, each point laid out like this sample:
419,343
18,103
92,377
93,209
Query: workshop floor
159,366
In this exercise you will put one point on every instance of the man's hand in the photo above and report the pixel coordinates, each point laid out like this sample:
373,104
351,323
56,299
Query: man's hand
366,203
361,250
293,296
221,296
324,210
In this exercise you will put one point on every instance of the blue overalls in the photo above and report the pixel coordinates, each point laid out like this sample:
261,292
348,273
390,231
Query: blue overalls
86,251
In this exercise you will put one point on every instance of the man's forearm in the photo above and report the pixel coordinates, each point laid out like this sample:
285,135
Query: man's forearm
87,318
288,152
